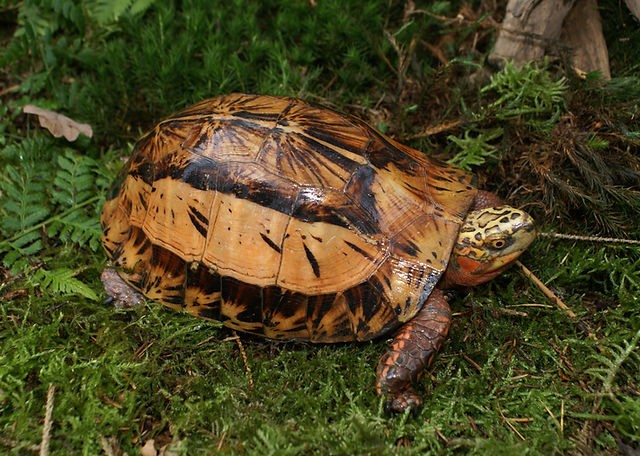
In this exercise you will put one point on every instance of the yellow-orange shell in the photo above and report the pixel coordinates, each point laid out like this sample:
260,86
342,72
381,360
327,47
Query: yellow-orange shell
284,219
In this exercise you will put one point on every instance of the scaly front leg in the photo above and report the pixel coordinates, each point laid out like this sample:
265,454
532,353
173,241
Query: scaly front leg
412,351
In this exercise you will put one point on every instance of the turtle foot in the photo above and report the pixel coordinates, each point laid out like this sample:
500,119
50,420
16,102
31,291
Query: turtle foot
120,293
402,401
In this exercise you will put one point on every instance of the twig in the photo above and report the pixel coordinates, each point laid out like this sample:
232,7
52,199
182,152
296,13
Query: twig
221,441
473,424
553,417
507,421
547,292
442,436
577,237
472,362
436,129
244,356
13,88
46,429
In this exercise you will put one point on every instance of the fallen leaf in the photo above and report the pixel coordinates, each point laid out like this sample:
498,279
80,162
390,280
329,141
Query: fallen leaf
59,124
148,449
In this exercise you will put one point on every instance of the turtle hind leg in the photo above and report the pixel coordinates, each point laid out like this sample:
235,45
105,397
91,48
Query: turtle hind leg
119,292
412,351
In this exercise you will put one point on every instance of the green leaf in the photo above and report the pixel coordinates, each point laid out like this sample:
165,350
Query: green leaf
62,281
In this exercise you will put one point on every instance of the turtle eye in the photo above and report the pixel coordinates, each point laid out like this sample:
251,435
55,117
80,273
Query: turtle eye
498,244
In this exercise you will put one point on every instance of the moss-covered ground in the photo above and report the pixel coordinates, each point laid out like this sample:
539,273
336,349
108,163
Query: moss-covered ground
517,375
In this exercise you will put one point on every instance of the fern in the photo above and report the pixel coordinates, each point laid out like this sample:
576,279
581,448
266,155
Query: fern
106,12
33,212
74,181
22,207
610,364
23,195
74,185
475,150
62,281
527,92
622,410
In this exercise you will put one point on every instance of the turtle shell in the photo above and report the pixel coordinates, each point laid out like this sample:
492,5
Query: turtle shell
283,219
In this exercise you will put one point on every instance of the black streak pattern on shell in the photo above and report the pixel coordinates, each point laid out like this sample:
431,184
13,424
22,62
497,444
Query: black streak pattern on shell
312,261
323,134
199,221
355,248
270,243
359,189
381,153
244,297
206,174
330,154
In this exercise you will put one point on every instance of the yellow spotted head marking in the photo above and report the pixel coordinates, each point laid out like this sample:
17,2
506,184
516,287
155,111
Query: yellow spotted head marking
489,240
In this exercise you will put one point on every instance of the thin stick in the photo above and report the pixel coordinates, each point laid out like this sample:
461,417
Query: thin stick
472,362
245,360
506,420
435,129
576,237
46,429
547,292
13,88
553,417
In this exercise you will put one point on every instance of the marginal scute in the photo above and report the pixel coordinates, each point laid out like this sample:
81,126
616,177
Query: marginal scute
163,278
202,292
283,219
284,314
405,285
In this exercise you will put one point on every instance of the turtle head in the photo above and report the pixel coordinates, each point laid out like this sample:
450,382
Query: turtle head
489,241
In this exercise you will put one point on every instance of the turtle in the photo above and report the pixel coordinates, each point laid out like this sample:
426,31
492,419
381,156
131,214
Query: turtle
292,221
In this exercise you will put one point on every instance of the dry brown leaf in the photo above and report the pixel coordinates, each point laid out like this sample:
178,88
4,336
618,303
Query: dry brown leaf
59,124
148,449
634,7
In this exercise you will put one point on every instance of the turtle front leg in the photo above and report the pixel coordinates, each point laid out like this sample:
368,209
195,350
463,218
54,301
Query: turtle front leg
412,351
120,293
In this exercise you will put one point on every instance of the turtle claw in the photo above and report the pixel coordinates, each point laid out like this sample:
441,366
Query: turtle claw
403,401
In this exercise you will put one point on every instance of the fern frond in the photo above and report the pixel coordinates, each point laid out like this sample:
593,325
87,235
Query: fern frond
32,209
106,12
74,181
474,149
78,228
528,92
23,197
62,281
611,363
22,207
